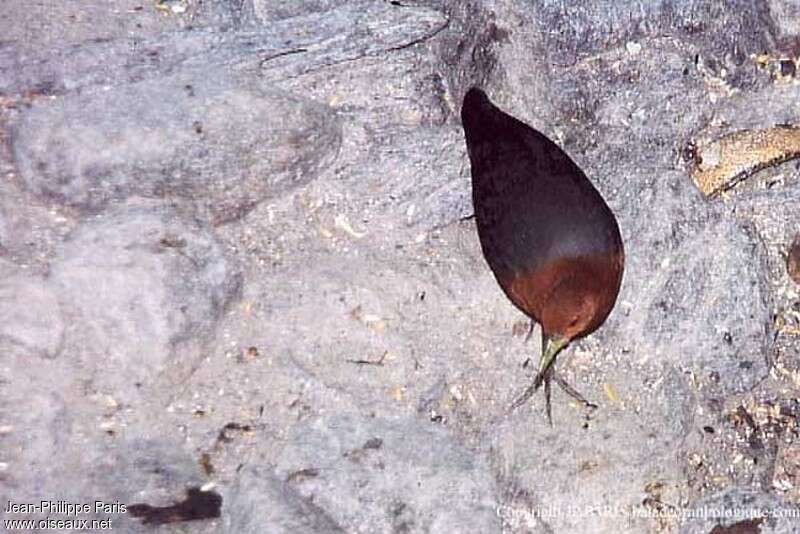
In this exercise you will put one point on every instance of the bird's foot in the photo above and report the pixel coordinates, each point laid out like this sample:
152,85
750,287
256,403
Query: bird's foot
546,378
522,399
529,391
569,390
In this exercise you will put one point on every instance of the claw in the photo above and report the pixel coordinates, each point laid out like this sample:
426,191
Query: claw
547,380
551,347
528,393
569,390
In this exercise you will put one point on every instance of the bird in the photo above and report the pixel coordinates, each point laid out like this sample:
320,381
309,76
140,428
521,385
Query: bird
548,236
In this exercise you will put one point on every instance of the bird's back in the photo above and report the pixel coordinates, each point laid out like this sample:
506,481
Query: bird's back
546,232
532,203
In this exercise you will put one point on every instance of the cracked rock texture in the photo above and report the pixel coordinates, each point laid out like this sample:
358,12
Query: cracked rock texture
237,254
199,136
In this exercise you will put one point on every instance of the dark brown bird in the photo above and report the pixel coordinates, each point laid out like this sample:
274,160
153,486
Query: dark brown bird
548,236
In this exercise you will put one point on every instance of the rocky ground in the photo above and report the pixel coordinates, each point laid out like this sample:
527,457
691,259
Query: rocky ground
240,281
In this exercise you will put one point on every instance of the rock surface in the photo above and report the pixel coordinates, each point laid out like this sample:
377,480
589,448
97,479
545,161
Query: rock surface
237,255
198,136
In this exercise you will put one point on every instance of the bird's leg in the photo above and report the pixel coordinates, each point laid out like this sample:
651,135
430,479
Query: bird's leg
548,377
569,390
550,348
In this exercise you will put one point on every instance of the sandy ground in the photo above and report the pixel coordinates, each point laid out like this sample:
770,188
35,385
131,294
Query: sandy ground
242,290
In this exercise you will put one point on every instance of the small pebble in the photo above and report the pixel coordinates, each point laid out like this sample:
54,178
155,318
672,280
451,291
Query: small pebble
633,48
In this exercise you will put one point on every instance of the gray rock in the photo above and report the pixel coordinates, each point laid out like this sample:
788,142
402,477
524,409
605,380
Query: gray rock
37,415
4,234
62,442
155,471
367,312
774,213
590,472
749,510
389,474
269,11
786,17
708,307
290,47
29,231
143,290
261,502
203,137
30,315
732,29
33,28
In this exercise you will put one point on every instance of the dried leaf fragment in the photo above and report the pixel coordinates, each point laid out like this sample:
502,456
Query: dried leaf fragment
721,163
342,222
611,392
197,505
